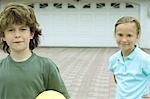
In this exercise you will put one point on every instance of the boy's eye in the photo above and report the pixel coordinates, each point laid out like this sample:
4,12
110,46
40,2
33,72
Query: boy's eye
10,30
24,29
129,35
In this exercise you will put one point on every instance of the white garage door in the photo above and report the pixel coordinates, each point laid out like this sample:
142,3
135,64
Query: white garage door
81,24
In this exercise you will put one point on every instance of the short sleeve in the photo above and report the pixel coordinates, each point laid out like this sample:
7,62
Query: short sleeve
146,66
110,64
55,81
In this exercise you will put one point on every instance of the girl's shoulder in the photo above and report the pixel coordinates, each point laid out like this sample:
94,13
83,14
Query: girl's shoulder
143,53
143,56
116,55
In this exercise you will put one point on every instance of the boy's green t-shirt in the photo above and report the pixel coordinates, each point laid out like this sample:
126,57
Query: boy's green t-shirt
27,79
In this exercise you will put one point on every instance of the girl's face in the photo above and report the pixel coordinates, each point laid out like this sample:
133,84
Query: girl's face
126,36
17,37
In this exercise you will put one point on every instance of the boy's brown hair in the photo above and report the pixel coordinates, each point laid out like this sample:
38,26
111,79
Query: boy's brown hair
16,13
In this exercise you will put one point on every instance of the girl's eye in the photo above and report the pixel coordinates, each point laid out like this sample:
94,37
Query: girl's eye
119,34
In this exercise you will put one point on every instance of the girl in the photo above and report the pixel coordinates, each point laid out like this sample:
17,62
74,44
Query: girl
130,65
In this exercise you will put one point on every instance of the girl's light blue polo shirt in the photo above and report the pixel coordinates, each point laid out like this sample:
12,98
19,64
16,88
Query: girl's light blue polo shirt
132,75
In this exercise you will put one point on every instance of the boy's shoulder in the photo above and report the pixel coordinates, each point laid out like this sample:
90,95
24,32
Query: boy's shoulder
43,59
46,62
3,59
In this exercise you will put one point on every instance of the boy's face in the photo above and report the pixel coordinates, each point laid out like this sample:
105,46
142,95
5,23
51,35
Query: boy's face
18,37
126,36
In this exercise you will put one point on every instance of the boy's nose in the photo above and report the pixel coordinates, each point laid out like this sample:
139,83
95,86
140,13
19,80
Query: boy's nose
17,34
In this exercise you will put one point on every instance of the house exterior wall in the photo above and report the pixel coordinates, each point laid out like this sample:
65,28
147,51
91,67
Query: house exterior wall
145,24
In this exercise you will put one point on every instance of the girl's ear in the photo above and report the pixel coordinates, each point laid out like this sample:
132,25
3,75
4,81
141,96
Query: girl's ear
137,40
138,36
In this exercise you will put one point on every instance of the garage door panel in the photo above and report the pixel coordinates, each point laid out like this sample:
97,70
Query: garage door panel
92,26
72,21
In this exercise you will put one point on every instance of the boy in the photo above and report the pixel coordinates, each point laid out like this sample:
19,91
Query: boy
130,65
23,74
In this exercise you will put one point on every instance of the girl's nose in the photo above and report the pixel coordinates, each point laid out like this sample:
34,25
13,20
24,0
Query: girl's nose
124,39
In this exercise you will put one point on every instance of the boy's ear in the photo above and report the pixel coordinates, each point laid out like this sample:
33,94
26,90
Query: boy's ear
3,39
32,35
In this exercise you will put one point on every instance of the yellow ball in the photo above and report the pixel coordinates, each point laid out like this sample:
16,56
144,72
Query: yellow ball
50,94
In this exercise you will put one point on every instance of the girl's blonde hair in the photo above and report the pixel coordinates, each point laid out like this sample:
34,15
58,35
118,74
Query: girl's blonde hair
129,19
